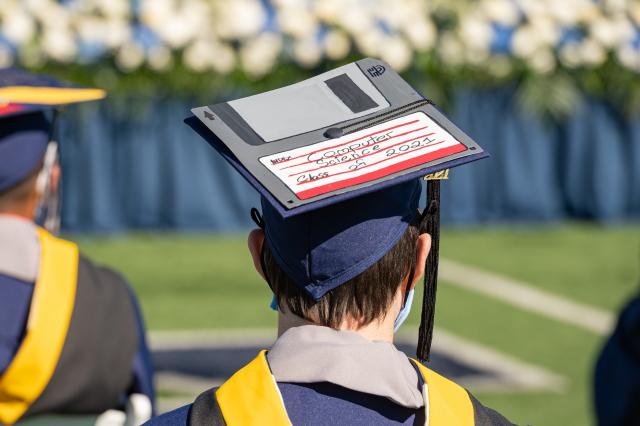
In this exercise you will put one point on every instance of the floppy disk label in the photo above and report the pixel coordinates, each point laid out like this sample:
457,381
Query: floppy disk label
363,156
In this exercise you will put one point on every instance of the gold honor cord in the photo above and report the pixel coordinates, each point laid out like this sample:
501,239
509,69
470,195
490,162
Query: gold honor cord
49,317
49,95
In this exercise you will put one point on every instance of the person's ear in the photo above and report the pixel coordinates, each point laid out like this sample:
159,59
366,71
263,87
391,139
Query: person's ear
423,246
255,240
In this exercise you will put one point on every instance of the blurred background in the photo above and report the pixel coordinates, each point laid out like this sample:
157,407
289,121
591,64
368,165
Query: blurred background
542,241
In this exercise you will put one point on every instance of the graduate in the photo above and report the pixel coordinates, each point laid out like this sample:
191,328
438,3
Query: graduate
617,372
72,340
339,161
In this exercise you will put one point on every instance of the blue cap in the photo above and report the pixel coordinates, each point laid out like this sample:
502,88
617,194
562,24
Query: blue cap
22,92
23,142
324,248
25,101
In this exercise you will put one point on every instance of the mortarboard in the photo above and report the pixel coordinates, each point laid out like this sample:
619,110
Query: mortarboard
25,126
337,160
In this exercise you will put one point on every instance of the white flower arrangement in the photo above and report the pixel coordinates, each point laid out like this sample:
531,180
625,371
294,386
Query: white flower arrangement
497,37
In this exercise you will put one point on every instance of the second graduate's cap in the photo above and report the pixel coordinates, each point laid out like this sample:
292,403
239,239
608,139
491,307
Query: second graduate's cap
25,122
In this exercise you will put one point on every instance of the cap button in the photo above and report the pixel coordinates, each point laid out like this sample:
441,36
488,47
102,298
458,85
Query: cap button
333,132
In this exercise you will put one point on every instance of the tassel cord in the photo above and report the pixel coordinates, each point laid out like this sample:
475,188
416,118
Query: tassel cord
430,225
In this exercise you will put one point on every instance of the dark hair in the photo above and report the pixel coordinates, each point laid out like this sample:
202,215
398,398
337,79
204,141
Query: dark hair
363,299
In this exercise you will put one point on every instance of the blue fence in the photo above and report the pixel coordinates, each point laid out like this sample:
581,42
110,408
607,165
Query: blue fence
134,164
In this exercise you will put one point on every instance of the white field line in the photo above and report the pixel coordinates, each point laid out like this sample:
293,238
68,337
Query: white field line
527,297
187,384
186,387
509,374
212,338
166,404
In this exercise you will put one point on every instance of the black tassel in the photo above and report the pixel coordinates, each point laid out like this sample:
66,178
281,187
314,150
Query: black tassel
431,225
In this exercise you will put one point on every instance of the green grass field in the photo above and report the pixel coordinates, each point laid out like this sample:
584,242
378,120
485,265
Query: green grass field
207,281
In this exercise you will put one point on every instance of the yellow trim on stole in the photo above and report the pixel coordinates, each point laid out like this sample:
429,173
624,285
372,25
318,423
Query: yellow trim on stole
449,403
251,396
49,95
49,316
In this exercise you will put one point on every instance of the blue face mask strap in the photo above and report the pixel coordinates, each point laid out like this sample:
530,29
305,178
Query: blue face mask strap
408,299
409,293
274,303
404,312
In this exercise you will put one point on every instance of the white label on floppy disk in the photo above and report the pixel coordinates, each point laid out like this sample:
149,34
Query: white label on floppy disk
362,156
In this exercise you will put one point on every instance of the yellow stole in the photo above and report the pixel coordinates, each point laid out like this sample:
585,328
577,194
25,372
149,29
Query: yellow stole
49,316
251,397
449,403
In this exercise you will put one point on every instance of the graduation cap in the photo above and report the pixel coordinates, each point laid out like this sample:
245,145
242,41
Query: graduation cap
337,160
28,106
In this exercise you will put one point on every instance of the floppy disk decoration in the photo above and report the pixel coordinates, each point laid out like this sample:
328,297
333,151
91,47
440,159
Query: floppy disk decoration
337,135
